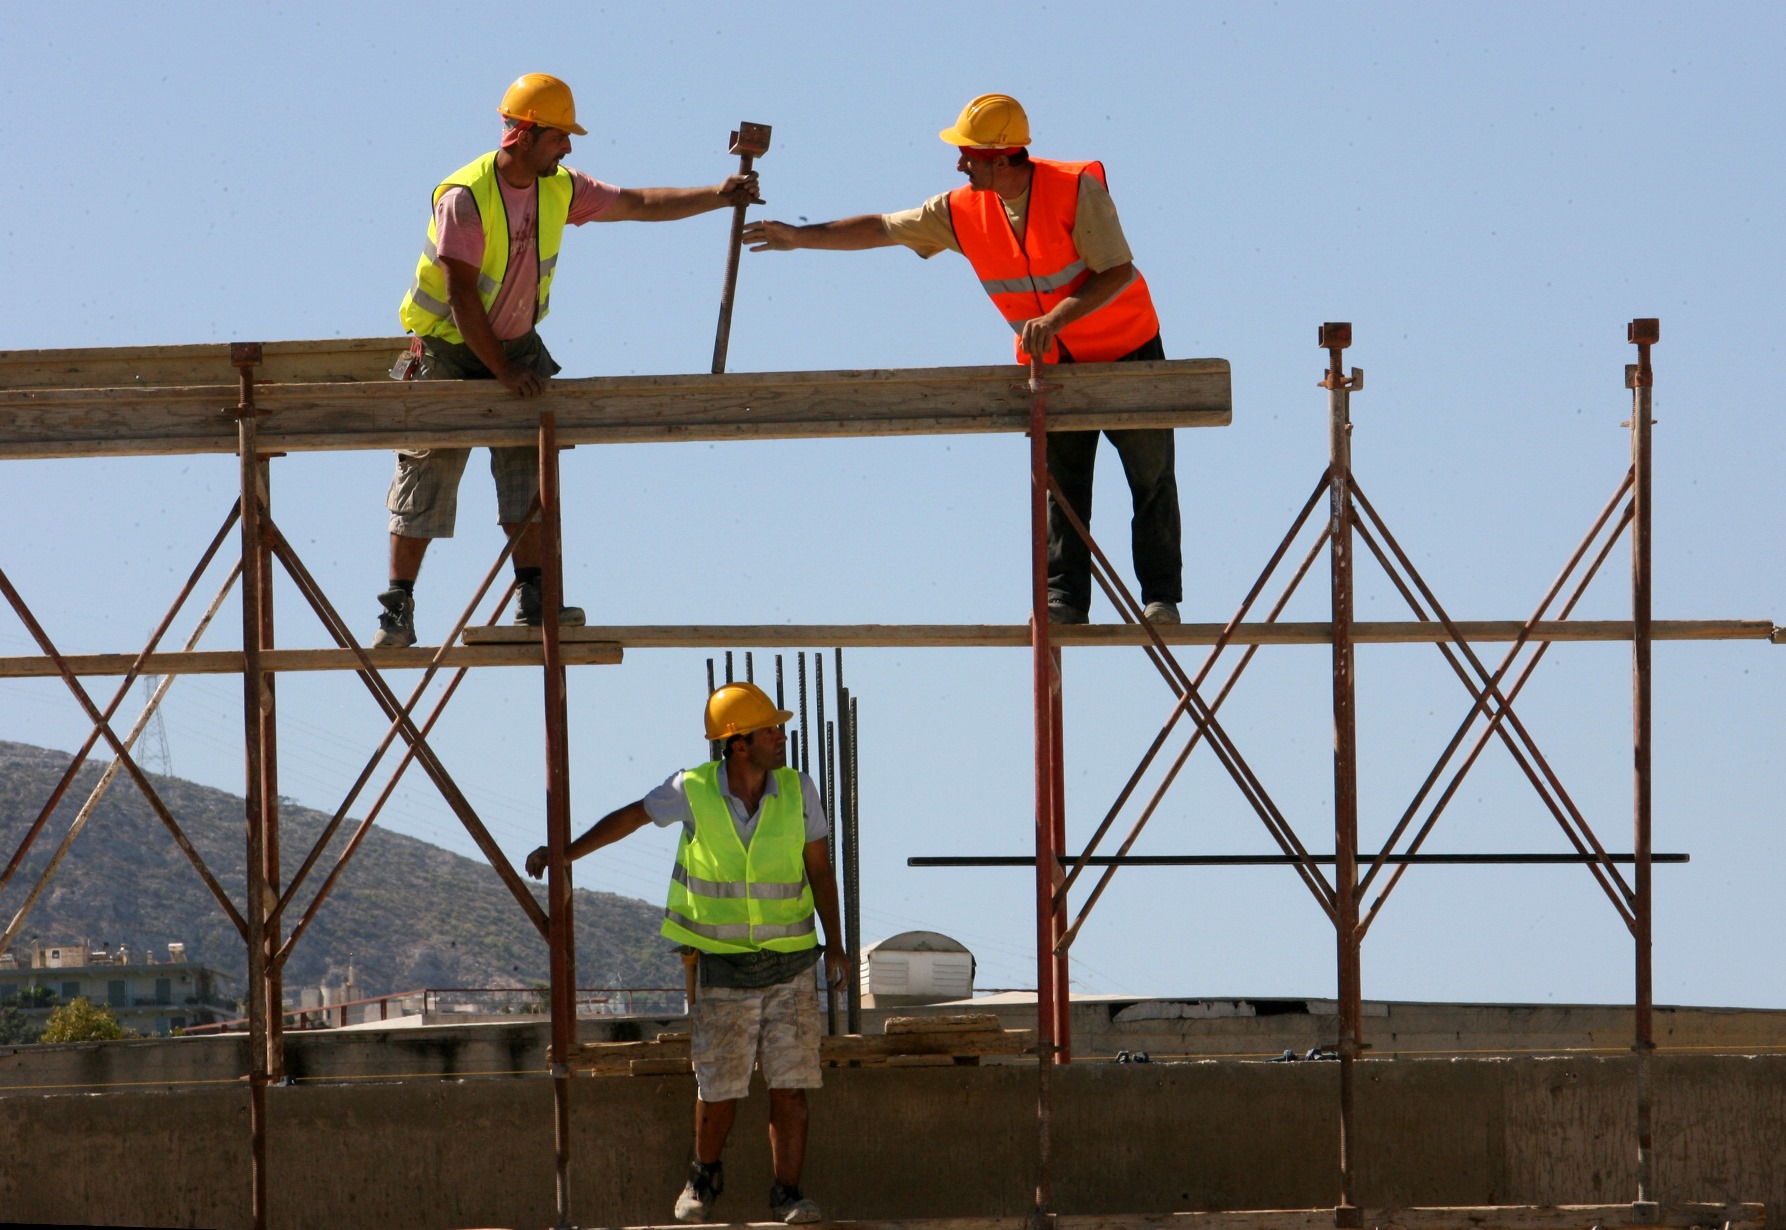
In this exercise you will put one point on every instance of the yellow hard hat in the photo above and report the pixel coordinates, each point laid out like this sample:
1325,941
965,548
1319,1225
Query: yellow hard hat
538,98
739,708
993,120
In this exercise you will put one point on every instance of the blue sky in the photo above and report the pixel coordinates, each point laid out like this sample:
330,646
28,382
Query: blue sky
1488,192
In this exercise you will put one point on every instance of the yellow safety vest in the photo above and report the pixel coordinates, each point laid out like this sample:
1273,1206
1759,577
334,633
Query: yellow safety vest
725,897
425,310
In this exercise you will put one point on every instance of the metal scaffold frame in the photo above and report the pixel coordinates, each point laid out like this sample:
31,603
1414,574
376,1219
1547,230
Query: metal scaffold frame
326,396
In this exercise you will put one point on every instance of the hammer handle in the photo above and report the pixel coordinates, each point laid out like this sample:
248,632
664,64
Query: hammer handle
724,336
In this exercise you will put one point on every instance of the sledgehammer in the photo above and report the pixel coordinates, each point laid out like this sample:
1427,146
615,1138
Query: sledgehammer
750,141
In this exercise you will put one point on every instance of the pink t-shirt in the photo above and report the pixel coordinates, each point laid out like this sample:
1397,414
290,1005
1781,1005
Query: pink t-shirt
460,235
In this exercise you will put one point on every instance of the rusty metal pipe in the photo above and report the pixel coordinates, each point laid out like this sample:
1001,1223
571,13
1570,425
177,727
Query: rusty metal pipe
128,682
1643,333
749,141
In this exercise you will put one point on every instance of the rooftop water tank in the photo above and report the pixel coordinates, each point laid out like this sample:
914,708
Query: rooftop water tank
916,967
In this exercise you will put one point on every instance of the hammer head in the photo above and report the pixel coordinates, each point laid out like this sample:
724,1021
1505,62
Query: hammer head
752,139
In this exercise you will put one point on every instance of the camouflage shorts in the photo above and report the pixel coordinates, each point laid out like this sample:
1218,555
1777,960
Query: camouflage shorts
776,1026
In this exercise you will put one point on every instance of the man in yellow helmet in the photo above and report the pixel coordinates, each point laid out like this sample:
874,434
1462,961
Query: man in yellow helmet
483,282
751,873
1044,239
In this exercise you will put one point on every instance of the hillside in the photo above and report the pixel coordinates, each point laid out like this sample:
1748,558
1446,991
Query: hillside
407,913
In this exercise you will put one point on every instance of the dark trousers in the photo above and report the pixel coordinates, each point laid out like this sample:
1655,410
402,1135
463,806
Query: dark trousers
1147,461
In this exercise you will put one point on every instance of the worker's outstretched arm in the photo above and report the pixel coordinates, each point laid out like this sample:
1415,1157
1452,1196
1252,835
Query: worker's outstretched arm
843,235
1037,334
824,899
604,832
474,326
669,204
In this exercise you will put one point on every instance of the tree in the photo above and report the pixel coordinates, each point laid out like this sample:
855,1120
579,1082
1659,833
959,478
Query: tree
15,1027
80,1020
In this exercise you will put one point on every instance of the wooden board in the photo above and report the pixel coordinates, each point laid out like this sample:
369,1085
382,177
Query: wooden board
327,361
522,651
1483,1217
802,636
964,1038
140,420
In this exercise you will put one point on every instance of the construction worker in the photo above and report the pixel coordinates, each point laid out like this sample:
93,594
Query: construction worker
751,871
478,292
1045,240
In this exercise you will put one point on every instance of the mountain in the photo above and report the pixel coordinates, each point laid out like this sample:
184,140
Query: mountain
406,913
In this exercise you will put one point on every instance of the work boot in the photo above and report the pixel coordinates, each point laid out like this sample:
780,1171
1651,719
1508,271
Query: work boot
704,1185
786,1204
530,608
1161,613
396,627
1060,613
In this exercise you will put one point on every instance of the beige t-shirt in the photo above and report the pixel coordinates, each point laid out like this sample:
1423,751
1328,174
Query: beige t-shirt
1097,232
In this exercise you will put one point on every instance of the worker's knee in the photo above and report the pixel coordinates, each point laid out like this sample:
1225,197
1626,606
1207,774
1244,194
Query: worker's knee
787,1105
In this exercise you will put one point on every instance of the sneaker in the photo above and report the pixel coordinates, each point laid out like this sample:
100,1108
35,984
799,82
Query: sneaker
396,627
1061,613
530,608
786,1204
1161,613
704,1185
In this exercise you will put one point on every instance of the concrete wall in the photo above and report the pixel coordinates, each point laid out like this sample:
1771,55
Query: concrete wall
906,1142
1101,1028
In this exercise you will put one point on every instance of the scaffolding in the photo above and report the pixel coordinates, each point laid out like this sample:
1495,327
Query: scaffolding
313,396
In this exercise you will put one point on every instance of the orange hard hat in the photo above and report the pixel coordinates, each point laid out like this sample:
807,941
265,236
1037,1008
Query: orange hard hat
739,708
538,98
993,120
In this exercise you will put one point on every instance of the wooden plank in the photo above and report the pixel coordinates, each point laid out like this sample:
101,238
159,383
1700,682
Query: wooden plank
963,1022
122,421
1493,1217
671,1052
524,651
779,636
508,645
326,361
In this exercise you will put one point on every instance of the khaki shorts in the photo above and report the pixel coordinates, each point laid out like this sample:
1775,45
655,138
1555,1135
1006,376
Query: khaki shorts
424,497
777,1027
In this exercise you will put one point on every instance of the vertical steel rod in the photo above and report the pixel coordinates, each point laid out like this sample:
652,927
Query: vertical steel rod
272,971
1047,752
1334,338
1063,987
561,936
1643,333
244,357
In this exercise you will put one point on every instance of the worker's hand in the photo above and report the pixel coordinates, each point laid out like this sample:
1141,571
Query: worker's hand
536,863
740,189
520,381
1037,336
837,966
765,236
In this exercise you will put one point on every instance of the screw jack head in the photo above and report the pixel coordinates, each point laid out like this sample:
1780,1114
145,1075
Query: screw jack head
752,139
1644,331
1336,335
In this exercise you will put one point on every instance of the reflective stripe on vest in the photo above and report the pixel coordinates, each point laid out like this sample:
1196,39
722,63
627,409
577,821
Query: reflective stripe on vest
1025,279
426,310
725,897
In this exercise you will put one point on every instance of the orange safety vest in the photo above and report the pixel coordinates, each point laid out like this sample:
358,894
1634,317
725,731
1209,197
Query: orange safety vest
1027,278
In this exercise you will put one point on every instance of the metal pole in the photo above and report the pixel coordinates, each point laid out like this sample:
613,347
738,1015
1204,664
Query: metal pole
748,142
1643,333
1063,987
1043,681
244,356
561,937
1334,338
269,773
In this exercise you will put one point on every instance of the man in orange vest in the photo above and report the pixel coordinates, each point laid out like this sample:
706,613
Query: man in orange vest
1044,238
